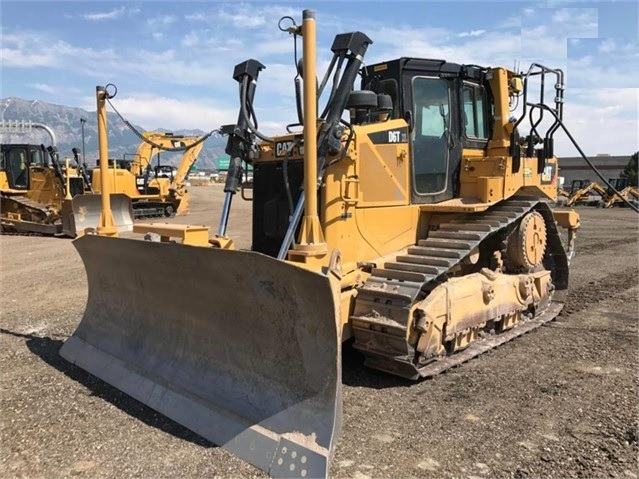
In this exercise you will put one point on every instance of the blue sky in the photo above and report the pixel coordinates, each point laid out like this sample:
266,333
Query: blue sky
172,61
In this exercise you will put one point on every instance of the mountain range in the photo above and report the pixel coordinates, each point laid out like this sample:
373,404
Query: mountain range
66,124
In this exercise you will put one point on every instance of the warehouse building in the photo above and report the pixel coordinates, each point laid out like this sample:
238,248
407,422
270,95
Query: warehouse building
575,168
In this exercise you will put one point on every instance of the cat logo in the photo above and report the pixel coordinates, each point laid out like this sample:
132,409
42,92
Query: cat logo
282,149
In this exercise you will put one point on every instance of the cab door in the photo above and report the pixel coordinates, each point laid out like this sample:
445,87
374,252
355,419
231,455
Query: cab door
435,146
16,159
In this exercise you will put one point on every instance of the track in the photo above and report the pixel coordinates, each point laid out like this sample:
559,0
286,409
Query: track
36,218
382,312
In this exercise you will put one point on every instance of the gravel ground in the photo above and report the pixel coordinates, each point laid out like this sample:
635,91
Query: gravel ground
560,401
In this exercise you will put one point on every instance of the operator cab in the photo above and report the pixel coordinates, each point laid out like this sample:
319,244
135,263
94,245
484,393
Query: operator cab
16,160
447,107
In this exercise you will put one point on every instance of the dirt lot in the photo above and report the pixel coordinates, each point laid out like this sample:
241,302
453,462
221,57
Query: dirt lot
558,402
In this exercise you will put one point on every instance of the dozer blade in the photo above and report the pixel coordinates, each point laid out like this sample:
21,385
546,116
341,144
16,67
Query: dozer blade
83,211
239,347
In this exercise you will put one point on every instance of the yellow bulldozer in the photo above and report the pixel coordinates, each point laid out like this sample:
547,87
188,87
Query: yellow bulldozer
410,215
151,193
41,194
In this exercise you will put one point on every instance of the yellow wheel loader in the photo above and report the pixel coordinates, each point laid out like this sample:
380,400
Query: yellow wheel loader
41,195
410,215
152,195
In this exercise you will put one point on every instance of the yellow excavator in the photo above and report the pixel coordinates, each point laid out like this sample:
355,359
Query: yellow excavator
620,192
581,193
41,194
151,194
410,215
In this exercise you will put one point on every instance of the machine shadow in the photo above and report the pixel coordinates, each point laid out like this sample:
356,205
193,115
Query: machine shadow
355,374
47,349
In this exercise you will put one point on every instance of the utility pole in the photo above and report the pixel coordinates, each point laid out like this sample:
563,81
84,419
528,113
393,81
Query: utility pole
84,159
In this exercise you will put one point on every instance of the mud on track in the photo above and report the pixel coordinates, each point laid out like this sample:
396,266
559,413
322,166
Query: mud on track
560,401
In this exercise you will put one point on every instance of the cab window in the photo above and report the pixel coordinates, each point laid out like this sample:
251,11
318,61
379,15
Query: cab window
475,113
37,157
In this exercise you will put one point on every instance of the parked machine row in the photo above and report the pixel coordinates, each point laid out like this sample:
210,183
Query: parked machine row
591,193
42,194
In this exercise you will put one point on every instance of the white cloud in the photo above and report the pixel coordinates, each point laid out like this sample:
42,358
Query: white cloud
43,87
110,15
30,49
241,20
152,112
195,17
191,39
13,57
510,22
243,15
164,112
161,21
573,16
609,63
607,46
540,39
491,48
190,85
597,114
472,33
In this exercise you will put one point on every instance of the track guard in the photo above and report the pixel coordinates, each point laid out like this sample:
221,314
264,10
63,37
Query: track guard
239,347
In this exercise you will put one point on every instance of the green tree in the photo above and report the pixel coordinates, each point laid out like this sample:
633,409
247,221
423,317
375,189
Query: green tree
630,171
